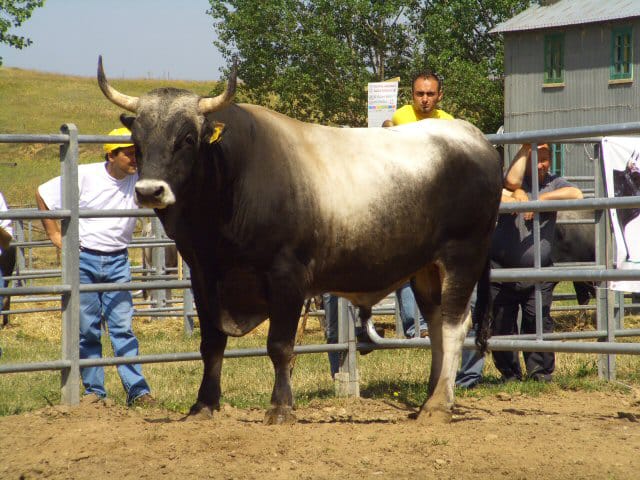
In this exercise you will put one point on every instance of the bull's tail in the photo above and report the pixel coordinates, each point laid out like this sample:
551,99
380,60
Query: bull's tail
482,311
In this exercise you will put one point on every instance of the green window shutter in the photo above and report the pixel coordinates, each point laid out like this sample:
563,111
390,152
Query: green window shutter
554,58
621,53
557,159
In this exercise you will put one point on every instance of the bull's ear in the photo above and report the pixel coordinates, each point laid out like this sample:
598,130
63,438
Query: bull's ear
127,120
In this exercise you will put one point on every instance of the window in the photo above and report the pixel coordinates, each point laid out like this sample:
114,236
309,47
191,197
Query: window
554,58
621,54
557,159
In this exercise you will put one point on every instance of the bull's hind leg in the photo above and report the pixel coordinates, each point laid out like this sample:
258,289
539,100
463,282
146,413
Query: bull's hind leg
445,298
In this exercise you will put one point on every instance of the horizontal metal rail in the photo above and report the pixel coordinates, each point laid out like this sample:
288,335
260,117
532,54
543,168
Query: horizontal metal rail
548,342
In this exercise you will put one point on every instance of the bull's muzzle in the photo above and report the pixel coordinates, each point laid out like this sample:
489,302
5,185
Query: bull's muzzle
154,194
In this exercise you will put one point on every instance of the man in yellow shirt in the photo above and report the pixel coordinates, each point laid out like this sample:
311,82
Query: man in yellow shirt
426,91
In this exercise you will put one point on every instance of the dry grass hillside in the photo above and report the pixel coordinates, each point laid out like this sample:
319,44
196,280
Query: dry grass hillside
39,103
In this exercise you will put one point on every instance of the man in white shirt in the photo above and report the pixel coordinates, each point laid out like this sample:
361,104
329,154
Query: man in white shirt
104,259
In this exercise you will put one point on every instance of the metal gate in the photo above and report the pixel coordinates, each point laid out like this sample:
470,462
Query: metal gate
601,272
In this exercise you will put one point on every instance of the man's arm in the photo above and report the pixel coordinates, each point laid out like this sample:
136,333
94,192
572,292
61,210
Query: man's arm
51,226
515,174
563,193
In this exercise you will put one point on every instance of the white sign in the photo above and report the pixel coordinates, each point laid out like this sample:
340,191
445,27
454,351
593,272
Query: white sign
621,157
383,101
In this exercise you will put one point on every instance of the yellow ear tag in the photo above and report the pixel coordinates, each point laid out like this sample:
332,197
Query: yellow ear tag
216,136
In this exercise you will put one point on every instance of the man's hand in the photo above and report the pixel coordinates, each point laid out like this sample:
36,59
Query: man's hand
518,195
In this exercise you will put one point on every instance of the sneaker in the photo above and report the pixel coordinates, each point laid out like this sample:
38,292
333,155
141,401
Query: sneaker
144,401
90,399
423,334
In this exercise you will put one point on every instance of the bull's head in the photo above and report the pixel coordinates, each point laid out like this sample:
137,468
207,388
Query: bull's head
167,131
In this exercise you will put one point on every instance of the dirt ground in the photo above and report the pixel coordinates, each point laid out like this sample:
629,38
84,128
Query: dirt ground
567,435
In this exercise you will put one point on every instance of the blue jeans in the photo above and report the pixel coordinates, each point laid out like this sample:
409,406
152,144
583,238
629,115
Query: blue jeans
330,303
117,310
407,306
472,364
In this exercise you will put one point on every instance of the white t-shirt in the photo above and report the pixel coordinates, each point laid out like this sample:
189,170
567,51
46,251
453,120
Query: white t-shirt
5,222
98,191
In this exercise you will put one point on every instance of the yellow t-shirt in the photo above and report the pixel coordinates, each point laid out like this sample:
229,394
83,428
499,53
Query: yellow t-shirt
407,114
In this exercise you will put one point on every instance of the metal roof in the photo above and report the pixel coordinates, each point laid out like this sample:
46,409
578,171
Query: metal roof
569,12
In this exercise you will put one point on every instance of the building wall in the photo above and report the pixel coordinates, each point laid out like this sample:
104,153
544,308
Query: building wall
587,97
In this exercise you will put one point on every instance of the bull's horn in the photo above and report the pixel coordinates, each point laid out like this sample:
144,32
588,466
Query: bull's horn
124,101
211,104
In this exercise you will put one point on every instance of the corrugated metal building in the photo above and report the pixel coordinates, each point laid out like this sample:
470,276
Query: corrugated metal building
571,63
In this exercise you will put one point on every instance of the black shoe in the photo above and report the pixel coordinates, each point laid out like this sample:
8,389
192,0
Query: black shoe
542,377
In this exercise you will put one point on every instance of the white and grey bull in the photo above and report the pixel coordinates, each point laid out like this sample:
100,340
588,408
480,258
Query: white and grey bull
273,210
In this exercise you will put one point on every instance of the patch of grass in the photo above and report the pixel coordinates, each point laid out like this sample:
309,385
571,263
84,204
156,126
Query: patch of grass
400,375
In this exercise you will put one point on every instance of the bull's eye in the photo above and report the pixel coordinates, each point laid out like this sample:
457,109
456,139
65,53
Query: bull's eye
189,140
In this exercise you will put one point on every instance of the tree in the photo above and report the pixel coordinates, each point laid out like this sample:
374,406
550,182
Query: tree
312,59
14,13
455,41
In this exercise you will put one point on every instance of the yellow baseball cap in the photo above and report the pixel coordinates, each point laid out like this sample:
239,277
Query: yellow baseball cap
120,132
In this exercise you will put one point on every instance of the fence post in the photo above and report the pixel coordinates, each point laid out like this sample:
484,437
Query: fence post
70,267
604,239
158,260
187,299
346,380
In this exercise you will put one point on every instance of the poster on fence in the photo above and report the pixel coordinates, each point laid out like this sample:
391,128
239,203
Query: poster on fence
621,157
383,100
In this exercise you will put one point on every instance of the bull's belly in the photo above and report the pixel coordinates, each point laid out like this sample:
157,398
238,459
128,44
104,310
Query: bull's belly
242,302
236,324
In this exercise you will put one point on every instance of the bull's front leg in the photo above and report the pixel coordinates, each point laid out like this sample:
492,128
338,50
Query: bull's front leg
280,343
212,345
212,348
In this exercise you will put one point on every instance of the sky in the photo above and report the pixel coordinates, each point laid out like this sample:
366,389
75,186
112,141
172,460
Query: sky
162,39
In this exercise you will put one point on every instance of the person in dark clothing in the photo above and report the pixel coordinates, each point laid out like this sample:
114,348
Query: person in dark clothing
512,247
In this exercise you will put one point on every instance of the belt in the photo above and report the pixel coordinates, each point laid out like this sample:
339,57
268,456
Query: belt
98,252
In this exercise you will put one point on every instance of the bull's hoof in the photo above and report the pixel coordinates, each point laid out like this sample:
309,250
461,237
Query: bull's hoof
434,416
280,416
200,411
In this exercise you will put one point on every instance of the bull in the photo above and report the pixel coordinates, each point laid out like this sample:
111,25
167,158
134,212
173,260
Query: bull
575,242
267,211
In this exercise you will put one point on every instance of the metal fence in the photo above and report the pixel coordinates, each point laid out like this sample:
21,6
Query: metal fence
608,318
